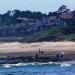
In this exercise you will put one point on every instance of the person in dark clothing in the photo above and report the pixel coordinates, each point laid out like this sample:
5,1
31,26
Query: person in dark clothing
41,52
58,56
36,57
62,55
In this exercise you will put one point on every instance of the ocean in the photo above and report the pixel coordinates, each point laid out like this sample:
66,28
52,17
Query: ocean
50,68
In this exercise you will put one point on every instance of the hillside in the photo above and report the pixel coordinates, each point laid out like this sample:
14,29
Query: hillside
54,34
27,26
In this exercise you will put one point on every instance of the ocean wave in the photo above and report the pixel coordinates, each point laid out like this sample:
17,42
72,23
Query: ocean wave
61,64
14,65
24,64
17,65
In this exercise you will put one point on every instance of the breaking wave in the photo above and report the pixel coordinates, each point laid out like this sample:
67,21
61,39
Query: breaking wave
61,64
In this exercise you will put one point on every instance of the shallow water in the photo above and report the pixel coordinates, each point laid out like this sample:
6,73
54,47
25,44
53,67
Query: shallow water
38,69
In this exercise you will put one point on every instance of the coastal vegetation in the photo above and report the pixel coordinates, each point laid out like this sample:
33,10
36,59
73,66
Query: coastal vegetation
28,26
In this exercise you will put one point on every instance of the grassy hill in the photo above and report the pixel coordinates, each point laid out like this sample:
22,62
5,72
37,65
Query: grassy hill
53,34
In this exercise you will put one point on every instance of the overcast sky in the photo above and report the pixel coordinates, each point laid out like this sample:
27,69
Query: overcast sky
44,6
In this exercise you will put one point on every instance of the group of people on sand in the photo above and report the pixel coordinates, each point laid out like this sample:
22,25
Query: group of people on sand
40,52
60,56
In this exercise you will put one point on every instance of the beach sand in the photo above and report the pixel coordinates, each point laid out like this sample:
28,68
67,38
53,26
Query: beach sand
49,48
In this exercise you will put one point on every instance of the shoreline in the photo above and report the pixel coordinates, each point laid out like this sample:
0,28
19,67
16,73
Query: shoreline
29,52
21,57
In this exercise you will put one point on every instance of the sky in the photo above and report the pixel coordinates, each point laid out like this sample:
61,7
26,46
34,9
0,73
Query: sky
44,6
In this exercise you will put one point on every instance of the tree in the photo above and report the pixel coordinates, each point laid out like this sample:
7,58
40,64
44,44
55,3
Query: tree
6,18
26,14
16,13
62,8
53,14
37,15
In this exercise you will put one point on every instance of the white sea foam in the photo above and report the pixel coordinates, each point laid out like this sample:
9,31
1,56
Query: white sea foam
65,65
7,66
50,62
62,64
18,64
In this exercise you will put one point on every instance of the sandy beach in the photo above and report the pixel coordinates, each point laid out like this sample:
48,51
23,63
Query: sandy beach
16,48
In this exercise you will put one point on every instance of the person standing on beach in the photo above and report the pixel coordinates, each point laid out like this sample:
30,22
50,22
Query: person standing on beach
36,57
40,52
60,56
